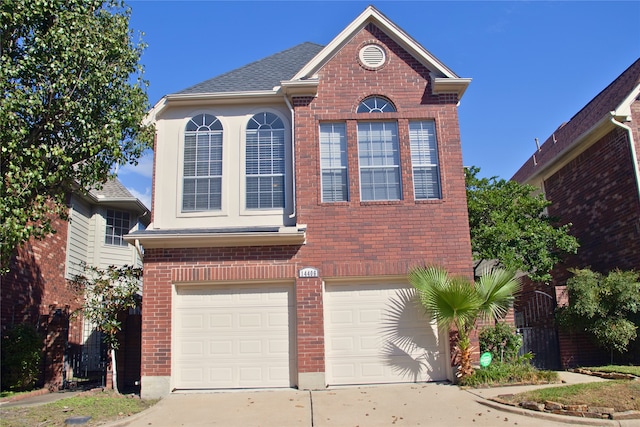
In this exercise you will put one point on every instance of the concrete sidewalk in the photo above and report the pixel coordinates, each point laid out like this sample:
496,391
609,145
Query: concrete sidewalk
423,404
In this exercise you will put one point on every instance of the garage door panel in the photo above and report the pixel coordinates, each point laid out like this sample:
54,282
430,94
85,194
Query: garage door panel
230,337
377,333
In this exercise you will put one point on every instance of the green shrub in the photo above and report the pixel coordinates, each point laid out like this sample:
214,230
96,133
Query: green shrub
509,373
21,354
501,341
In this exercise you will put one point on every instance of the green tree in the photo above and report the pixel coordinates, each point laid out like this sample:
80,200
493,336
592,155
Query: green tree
509,224
454,301
73,101
603,306
109,293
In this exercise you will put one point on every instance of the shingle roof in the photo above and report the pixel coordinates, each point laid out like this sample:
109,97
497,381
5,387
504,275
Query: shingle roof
599,107
264,74
112,189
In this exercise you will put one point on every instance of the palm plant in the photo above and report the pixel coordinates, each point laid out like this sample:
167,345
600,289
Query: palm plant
455,302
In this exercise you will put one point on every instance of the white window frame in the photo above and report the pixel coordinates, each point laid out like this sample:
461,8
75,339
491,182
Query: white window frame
269,172
210,127
334,174
380,161
116,227
424,160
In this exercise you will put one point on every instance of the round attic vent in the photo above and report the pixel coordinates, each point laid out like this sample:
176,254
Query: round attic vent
372,56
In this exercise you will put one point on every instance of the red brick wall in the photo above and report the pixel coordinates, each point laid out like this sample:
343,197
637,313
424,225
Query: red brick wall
35,291
349,239
597,193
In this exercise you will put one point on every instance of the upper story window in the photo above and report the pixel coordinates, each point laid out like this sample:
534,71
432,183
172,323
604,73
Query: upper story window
424,159
379,158
265,162
333,162
202,178
118,224
376,104
378,153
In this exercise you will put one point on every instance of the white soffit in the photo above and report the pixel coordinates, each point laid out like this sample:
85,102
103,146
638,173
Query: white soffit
372,15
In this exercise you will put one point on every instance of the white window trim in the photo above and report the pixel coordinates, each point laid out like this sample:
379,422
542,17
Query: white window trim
396,167
288,185
344,167
426,165
180,168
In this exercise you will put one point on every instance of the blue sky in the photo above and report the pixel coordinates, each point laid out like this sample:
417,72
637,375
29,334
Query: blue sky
534,64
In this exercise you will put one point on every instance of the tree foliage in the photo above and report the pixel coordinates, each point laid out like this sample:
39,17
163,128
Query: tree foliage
509,224
108,293
603,306
72,105
21,353
454,301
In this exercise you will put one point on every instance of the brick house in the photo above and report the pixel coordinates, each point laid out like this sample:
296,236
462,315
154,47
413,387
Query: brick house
37,289
588,169
291,198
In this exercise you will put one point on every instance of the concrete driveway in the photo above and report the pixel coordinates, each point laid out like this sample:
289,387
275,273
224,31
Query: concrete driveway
424,404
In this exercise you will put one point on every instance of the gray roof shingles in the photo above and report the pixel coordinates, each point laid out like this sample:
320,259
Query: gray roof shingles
112,189
264,74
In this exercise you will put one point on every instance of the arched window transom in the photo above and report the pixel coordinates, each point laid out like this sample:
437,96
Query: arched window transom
376,104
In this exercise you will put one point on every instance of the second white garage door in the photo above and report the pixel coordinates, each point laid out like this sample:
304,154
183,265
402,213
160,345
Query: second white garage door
232,337
377,333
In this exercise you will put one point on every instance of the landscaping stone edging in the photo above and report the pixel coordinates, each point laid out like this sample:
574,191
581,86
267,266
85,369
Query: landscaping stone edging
605,375
580,411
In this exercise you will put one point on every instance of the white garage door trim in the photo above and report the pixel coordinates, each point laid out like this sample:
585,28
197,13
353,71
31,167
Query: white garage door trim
233,336
377,333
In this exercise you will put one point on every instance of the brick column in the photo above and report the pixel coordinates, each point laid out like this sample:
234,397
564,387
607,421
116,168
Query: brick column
310,334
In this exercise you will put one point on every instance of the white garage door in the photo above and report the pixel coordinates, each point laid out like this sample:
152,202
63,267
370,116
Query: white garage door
377,333
232,337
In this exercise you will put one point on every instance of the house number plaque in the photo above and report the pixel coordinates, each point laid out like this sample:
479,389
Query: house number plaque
308,272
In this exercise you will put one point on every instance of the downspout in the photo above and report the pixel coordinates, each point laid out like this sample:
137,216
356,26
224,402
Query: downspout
293,154
634,154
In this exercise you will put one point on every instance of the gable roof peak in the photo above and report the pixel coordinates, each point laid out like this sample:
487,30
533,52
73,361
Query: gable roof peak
445,80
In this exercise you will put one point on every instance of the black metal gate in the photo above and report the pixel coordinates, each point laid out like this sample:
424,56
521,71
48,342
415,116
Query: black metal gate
534,315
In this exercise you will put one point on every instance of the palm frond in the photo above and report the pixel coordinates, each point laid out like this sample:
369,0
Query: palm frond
497,289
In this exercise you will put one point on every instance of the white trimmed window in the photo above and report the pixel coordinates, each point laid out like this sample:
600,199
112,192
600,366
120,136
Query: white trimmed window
202,174
424,159
376,104
333,162
118,224
379,158
265,162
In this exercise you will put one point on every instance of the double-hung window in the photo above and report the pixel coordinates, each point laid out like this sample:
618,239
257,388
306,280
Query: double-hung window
378,153
424,159
379,161
202,176
118,224
265,162
333,162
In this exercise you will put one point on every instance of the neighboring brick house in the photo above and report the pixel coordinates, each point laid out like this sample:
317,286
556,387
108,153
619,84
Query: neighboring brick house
291,198
37,287
588,169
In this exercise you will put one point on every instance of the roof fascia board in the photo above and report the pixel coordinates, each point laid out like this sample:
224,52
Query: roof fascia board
371,14
307,87
215,240
579,145
624,109
450,85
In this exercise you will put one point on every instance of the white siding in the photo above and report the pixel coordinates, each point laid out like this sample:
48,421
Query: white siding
78,239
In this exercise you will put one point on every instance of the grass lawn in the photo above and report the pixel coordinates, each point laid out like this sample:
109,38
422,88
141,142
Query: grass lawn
623,395
101,406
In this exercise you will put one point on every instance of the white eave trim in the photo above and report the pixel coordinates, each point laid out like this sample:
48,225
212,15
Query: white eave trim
624,109
307,87
371,14
216,240
208,98
450,85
